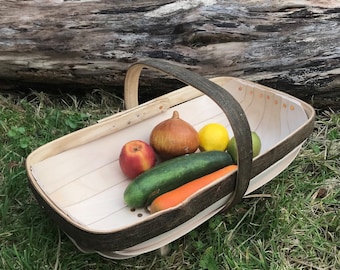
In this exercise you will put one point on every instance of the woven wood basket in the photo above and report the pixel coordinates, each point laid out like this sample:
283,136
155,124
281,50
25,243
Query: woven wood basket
77,178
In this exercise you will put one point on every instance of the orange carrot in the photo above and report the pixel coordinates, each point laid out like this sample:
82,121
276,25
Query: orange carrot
178,195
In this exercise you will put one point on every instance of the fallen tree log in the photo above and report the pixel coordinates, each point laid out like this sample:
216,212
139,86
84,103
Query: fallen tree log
292,45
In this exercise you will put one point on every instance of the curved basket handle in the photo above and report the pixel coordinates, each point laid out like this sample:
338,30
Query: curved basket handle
221,97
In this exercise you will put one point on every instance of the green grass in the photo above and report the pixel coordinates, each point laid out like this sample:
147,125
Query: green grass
290,223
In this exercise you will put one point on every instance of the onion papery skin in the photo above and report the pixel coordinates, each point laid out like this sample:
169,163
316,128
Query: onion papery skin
174,137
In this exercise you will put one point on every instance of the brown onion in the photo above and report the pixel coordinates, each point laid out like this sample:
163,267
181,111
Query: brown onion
174,137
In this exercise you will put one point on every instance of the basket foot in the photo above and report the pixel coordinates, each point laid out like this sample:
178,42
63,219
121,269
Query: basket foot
164,250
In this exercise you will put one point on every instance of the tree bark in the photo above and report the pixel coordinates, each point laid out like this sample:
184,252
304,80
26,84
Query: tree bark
293,46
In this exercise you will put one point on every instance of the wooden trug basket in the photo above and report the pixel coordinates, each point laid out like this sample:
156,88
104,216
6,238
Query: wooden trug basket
77,178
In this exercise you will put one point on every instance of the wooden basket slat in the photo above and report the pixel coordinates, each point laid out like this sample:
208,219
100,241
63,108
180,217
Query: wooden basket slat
102,205
256,113
87,187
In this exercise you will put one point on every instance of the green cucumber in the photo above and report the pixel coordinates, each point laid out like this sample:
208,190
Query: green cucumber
173,173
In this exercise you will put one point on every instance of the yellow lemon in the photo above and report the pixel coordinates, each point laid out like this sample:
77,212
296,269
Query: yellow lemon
212,137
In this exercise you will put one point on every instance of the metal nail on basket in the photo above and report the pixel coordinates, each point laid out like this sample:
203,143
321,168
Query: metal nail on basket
77,178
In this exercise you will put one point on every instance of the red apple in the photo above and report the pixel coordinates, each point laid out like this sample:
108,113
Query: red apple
136,157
